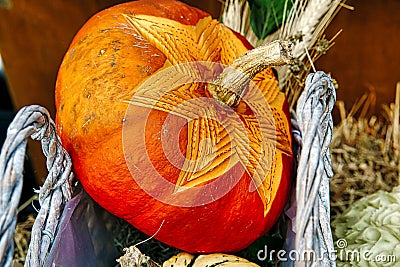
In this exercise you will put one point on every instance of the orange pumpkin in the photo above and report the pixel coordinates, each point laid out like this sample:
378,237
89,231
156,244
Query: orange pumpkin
112,140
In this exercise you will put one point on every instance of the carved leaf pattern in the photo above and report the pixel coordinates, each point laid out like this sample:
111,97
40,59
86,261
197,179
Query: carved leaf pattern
214,146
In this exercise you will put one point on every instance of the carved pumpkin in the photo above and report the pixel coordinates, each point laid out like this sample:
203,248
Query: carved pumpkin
118,142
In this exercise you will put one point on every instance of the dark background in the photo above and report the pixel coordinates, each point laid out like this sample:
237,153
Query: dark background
366,56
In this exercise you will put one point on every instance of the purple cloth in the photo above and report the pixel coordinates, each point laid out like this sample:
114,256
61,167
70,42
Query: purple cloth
84,237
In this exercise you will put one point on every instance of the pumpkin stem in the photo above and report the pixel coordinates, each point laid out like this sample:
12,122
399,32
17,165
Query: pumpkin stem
228,87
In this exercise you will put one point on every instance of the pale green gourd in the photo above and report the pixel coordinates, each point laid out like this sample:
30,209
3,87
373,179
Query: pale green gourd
371,225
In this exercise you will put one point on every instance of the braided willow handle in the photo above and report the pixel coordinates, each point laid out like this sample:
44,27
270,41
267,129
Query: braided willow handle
35,122
313,232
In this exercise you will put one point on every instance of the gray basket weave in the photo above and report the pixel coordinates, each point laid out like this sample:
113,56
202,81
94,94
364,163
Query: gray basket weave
311,223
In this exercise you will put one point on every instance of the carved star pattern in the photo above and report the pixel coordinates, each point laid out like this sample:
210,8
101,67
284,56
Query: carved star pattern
214,145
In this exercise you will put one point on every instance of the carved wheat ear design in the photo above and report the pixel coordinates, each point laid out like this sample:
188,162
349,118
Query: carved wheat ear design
217,143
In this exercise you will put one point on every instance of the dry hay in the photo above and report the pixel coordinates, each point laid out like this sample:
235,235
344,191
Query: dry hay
21,240
365,153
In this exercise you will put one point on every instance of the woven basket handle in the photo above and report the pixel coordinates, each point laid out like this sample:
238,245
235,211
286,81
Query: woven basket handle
35,122
313,232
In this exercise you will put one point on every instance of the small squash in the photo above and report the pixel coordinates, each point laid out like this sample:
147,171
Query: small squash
184,259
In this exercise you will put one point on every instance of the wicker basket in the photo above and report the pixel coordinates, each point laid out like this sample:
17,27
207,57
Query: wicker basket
309,209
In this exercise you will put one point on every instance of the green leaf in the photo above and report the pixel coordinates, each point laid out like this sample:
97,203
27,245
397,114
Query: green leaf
266,15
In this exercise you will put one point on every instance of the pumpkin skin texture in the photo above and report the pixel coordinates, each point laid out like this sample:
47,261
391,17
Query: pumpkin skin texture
106,63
